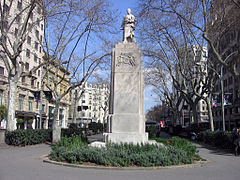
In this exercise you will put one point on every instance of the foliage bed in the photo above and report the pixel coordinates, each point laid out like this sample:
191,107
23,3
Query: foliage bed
182,144
221,139
22,137
73,150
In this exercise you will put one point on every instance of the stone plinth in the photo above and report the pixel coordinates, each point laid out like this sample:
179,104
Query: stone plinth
126,122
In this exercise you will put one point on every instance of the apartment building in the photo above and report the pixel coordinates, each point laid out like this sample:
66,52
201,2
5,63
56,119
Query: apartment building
92,105
224,31
27,107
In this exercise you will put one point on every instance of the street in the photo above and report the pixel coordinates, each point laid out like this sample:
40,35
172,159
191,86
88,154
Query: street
25,163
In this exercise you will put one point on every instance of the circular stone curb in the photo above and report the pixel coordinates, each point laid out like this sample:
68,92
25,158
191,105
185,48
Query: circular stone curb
194,165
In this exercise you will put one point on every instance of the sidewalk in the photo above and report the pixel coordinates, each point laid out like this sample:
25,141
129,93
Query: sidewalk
26,163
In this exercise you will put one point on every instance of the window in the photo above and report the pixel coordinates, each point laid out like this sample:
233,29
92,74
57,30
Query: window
38,72
23,79
5,9
43,107
38,22
35,58
40,49
20,102
19,5
37,84
32,82
16,32
30,103
27,66
1,70
39,10
31,16
18,18
50,116
5,24
28,53
29,40
37,34
36,45
41,38
42,27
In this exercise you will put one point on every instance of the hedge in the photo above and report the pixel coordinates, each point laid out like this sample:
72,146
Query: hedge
96,127
22,137
221,139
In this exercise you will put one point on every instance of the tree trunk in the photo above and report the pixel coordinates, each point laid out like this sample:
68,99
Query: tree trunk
210,116
11,122
75,107
56,133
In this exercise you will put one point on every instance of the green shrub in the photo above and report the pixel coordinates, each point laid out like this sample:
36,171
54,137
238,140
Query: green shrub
186,146
96,127
72,130
23,137
73,141
152,131
221,139
182,144
118,155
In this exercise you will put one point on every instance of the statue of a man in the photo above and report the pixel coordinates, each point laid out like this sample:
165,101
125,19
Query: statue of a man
128,27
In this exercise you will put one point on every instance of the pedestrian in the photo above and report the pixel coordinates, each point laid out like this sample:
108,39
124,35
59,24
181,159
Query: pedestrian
236,140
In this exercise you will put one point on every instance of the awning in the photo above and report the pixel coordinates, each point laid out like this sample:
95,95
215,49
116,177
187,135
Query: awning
26,113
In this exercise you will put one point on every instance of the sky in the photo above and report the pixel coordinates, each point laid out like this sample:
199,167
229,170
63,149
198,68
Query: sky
150,98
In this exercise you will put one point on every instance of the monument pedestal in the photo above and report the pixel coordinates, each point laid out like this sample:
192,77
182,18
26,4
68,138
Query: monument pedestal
126,122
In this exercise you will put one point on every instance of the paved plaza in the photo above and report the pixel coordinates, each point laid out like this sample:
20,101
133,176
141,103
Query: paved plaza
25,163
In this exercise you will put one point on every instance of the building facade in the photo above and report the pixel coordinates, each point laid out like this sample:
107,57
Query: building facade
224,31
91,104
27,108
60,76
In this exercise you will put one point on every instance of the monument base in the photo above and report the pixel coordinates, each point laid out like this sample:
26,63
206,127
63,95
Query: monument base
130,138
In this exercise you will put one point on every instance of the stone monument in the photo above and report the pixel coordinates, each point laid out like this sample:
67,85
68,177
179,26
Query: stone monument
126,121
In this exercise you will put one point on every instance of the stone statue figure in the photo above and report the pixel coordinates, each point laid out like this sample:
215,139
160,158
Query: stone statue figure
128,27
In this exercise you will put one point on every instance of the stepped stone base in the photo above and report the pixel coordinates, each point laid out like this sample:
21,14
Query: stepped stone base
133,138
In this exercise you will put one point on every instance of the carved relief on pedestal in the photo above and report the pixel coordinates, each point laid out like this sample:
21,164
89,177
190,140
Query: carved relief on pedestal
126,59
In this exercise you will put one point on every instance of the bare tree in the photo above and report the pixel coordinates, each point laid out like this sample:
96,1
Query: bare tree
77,21
172,45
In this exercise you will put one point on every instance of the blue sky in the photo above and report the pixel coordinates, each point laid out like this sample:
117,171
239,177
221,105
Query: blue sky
122,5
